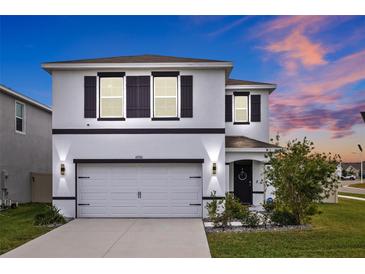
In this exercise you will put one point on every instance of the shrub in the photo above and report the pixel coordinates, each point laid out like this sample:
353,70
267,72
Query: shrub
302,178
223,212
51,216
252,220
283,218
233,209
212,208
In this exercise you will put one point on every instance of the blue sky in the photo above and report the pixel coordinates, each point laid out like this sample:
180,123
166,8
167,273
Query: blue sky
315,60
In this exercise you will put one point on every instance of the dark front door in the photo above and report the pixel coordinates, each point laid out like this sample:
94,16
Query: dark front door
243,181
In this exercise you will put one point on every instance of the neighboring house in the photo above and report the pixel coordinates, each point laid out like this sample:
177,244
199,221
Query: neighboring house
352,168
154,136
25,143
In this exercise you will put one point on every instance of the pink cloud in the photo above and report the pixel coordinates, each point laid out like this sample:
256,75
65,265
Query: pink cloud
313,90
298,49
289,37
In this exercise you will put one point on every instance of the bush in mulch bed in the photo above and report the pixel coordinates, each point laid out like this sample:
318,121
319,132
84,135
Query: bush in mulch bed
230,215
259,228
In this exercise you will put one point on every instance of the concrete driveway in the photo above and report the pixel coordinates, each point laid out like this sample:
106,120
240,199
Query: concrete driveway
120,238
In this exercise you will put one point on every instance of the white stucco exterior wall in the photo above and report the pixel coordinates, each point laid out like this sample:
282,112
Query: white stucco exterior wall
254,130
208,101
68,113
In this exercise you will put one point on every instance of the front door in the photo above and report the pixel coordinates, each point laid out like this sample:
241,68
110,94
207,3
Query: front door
243,181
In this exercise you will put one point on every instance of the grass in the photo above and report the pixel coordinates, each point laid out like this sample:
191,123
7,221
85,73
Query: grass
358,185
339,231
16,226
352,194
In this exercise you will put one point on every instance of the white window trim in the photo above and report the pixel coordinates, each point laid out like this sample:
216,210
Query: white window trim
100,105
176,96
23,118
238,108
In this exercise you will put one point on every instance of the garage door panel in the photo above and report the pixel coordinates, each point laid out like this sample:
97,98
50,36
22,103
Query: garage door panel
185,196
93,211
93,196
123,196
154,195
167,190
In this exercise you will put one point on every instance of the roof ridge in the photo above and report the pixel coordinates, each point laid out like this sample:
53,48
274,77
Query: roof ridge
154,58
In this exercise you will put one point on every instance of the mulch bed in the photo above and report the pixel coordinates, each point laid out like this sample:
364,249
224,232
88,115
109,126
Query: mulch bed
257,229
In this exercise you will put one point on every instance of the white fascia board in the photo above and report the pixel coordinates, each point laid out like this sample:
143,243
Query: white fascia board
23,98
235,87
57,66
250,149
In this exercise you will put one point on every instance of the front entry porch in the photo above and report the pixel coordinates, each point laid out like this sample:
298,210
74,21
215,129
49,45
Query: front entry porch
245,166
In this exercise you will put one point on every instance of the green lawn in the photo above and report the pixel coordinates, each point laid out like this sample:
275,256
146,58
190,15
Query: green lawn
338,232
16,226
352,194
358,185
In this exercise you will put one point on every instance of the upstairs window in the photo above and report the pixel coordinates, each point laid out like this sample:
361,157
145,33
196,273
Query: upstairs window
19,117
111,97
241,109
165,97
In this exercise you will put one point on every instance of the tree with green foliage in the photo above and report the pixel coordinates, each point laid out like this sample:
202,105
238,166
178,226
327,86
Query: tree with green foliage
302,178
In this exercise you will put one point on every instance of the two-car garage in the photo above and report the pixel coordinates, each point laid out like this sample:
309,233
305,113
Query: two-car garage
132,190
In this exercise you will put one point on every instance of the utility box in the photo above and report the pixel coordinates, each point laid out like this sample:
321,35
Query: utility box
332,199
41,187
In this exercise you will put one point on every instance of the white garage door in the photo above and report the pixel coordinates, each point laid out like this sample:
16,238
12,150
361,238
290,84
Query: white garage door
139,190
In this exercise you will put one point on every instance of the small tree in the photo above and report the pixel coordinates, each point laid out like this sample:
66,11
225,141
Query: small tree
301,177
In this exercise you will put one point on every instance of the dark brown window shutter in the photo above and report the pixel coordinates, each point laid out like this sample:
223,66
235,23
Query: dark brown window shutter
90,96
255,108
138,96
228,108
186,96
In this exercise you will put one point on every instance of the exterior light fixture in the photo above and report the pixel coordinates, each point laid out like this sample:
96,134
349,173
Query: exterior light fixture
63,169
214,169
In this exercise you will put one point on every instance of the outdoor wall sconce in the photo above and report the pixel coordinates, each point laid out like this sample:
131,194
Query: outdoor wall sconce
214,169
63,169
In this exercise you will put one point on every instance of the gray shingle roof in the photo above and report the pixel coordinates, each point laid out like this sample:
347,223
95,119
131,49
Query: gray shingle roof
21,97
245,142
146,58
244,82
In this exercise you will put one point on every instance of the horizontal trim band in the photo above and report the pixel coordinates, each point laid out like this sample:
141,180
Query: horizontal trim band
63,198
111,74
138,131
111,119
165,119
258,192
241,123
91,161
241,93
213,198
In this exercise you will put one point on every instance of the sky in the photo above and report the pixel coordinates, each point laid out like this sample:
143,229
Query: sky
318,62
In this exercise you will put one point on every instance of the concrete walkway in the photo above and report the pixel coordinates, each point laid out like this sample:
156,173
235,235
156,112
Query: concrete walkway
351,197
348,189
120,238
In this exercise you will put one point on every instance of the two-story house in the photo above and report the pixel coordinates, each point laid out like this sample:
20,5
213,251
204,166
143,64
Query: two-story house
154,136
25,147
